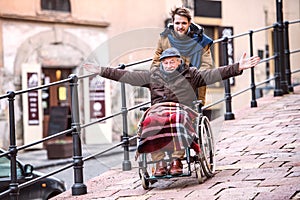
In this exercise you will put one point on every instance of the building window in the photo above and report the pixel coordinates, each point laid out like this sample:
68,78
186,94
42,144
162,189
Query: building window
56,5
206,8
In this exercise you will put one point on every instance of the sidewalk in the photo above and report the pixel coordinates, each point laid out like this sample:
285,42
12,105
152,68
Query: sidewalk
39,159
258,157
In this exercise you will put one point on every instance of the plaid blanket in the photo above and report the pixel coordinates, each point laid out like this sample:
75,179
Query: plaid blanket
167,126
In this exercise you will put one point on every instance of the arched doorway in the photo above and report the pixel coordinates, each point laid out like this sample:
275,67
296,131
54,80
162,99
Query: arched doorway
58,54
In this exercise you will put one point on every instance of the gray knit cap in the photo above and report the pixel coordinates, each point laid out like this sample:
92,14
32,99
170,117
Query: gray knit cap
170,52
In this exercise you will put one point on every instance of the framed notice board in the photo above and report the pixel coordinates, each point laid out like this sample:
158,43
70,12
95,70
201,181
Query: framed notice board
60,119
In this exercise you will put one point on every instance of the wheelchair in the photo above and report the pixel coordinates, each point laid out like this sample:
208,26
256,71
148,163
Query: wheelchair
201,163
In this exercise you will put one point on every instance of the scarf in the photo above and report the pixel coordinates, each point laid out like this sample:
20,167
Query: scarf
188,46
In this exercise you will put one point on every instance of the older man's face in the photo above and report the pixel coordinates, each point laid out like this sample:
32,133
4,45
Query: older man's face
170,64
181,25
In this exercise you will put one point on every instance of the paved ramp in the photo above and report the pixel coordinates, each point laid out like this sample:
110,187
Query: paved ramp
258,157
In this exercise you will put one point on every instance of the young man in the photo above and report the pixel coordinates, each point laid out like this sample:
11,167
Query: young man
189,39
172,83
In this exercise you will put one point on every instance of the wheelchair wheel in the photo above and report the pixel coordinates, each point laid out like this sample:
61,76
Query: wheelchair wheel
144,175
206,143
145,181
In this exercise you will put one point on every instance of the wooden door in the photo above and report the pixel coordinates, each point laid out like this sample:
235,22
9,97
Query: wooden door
54,96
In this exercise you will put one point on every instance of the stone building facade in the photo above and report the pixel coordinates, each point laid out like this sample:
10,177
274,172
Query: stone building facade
55,38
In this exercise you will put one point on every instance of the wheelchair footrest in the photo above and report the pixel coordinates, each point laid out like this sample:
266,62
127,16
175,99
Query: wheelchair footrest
168,176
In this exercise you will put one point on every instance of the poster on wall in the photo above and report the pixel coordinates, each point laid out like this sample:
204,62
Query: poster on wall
97,97
33,106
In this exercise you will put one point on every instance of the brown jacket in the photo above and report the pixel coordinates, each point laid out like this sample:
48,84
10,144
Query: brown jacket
206,61
179,87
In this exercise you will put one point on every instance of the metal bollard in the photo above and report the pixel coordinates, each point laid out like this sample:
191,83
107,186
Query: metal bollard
13,186
287,56
126,166
228,114
78,187
277,90
280,38
252,85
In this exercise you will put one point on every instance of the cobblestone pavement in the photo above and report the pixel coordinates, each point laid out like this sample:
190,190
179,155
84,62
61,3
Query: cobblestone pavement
258,157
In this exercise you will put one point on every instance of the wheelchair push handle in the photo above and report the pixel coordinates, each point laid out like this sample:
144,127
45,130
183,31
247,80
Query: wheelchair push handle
198,104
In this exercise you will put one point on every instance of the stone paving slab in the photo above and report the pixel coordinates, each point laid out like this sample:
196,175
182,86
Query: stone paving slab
257,157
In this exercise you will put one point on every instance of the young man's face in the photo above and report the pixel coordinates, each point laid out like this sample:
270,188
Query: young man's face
170,64
181,25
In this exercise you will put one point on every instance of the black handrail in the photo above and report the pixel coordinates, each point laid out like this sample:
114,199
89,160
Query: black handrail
36,88
113,115
295,51
244,34
50,137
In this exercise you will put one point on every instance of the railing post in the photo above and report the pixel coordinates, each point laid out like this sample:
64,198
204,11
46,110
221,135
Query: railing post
13,186
277,90
126,162
283,82
228,113
267,64
78,187
287,56
252,85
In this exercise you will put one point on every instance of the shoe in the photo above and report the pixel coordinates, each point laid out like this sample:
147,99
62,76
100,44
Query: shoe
176,167
161,169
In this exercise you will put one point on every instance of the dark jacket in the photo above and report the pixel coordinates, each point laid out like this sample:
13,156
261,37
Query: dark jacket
180,86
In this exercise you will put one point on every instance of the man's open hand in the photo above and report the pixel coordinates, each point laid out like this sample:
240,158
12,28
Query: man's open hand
246,63
92,67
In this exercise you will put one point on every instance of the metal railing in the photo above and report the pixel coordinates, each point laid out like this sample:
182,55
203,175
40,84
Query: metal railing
283,85
282,76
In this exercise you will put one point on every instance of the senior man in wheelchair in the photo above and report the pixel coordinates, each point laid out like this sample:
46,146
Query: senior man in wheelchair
173,84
